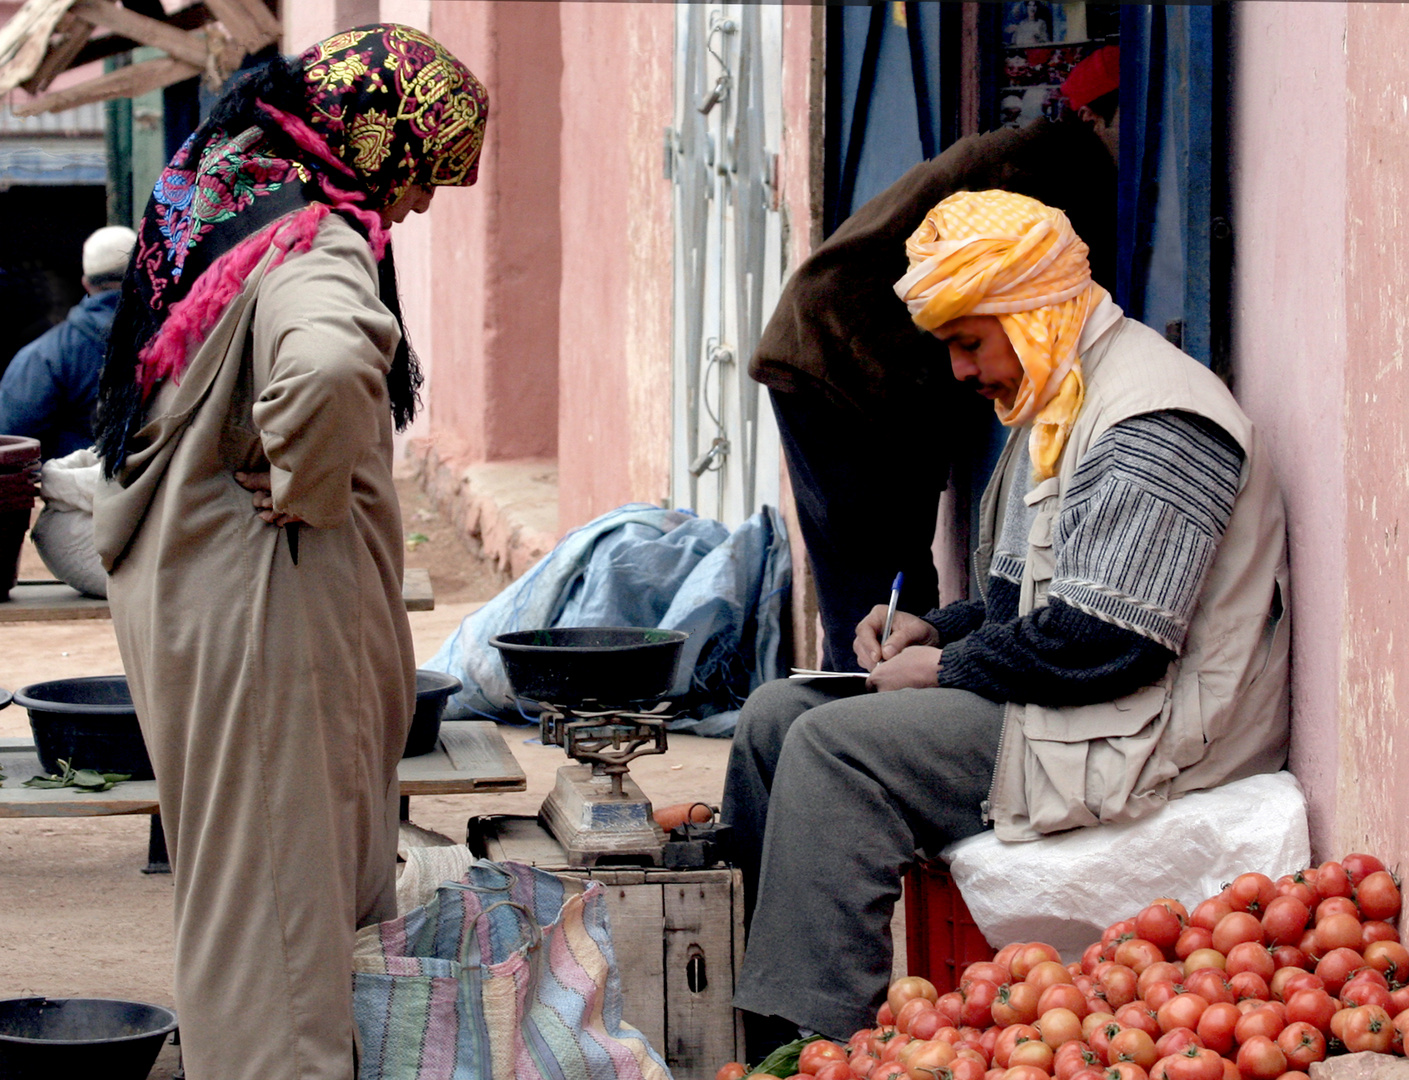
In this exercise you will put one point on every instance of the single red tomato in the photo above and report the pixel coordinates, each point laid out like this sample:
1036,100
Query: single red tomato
1125,1070
1289,956
1261,1021
730,1070
1062,996
1071,1058
1160,923
1176,1040
1332,880
1157,994
1029,956
903,989
1047,972
1117,984
890,1070
963,1069
926,1025
1378,896
1206,958
816,1054
1208,913
1368,1027
1194,1063
881,1036
1234,927
1132,1044
1005,955
1247,984
1372,930
1182,1010
1210,984
1032,1052
833,1070
1302,1043
990,970
1360,991
1008,1038
898,1042
1261,1059
1162,972
1337,966
1252,892
1016,1003
1314,1007
1400,999
1216,1025
950,1005
1358,867
1138,954
1295,979
930,1055
885,1015
1285,920
1138,1014
1058,1026
977,1010
1091,956
1191,939
1338,931
1296,885
1025,1072
907,1014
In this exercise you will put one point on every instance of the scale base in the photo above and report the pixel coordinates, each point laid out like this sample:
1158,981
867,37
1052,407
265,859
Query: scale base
597,828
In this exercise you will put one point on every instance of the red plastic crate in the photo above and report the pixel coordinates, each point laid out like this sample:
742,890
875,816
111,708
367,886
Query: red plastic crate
941,937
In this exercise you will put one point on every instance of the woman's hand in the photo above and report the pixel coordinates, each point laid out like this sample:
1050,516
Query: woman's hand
258,484
905,631
914,668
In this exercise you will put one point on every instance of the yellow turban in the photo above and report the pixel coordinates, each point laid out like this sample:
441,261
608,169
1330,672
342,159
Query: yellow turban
997,253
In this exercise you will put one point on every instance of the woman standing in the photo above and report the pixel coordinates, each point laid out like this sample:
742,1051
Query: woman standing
252,532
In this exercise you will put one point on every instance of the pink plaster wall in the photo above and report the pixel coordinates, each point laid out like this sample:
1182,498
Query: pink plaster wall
495,262
1290,351
1374,799
614,373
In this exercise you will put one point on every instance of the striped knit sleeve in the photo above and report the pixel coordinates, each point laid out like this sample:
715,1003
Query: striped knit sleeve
1141,521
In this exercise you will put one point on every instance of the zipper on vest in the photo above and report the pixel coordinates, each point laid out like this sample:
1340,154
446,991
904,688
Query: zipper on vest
986,807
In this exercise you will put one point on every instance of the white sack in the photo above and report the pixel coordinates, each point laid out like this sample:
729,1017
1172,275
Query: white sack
63,534
1067,888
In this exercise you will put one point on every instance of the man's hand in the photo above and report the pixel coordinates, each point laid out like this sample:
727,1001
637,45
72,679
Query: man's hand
258,483
916,667
907,630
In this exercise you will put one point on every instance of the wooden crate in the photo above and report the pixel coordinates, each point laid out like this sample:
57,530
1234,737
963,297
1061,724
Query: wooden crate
679,939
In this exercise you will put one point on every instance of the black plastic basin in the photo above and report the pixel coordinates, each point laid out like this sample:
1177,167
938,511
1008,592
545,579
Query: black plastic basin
88,722
610,665
433,690
45,1038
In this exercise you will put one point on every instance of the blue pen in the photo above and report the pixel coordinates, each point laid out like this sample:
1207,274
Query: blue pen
890,611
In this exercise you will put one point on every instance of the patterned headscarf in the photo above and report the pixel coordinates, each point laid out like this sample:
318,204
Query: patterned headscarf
1007,255
347,127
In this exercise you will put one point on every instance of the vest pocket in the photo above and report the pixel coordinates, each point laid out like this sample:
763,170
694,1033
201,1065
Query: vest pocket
1041,558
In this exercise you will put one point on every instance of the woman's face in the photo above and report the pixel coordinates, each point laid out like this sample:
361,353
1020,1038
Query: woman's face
414,200
981,356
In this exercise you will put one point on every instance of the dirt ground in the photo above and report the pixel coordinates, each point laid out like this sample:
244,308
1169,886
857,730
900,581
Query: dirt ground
78,918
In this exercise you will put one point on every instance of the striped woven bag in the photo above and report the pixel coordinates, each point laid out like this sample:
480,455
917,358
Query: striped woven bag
507,974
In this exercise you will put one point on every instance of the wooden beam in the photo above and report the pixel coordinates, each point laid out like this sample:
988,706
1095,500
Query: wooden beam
128,81
243,25
72,35
24,40
179,44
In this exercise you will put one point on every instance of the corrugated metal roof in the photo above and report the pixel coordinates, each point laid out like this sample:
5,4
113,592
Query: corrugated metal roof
86,120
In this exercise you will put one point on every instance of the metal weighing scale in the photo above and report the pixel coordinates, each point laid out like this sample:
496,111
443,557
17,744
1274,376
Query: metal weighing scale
598,690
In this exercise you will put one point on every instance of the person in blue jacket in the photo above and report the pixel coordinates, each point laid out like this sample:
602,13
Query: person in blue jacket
51,386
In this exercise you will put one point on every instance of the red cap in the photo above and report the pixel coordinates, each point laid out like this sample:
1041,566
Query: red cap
1094,77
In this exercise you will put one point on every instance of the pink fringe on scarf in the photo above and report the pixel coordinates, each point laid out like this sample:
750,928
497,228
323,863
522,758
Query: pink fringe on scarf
193,315
190,318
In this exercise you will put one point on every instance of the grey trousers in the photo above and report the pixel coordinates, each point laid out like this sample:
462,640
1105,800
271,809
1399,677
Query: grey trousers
831,799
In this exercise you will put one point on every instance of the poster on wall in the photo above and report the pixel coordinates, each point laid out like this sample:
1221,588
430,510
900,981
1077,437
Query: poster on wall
1042,42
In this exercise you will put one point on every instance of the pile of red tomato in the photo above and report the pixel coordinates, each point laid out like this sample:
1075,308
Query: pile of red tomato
1255,983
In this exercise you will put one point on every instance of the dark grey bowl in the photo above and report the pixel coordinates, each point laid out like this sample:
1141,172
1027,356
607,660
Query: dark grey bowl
610,665
88,722
433,690
44,1038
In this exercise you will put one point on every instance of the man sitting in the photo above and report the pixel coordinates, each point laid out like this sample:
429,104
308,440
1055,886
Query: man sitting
1129,645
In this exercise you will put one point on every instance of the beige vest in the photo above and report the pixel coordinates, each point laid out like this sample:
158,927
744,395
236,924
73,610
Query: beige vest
1221,711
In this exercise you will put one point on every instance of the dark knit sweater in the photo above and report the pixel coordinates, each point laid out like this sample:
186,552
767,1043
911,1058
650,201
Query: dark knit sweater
1141,521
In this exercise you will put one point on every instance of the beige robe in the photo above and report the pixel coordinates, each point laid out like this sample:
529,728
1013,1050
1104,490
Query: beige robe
274,697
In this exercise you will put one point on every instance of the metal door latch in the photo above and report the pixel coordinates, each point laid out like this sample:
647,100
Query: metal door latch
717,449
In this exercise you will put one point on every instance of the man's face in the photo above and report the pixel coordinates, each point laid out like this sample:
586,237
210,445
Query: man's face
981,356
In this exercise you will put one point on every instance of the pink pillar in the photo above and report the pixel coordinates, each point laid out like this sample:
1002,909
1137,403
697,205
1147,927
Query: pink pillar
614,372
495,257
